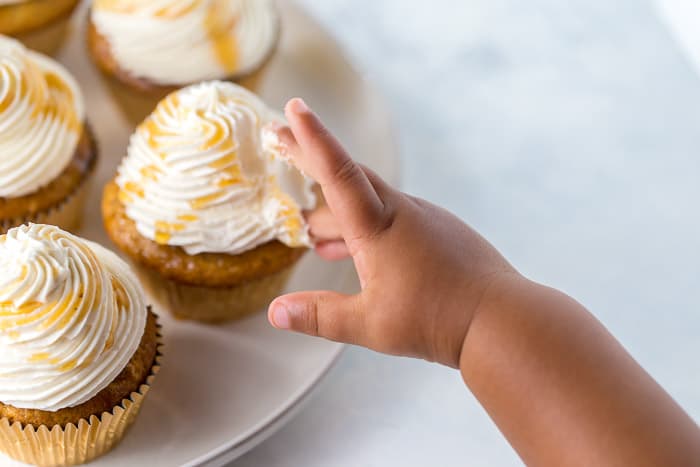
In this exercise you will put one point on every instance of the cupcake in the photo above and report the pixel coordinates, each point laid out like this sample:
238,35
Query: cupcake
41,24
154,48
78,347
207,207
47,152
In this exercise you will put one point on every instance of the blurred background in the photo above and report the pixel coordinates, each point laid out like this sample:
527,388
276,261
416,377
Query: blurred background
567,133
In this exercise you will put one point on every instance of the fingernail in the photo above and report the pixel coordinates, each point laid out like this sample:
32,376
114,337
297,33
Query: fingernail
280,316
299,106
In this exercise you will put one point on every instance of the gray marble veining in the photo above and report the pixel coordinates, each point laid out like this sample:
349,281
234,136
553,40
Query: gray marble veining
567,133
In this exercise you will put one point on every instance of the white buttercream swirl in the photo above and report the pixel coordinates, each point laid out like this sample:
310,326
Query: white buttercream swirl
203,172
72,315
178,42
41,119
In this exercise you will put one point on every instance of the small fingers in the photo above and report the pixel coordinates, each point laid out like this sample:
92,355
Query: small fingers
349,193
323,225
289,143
333,250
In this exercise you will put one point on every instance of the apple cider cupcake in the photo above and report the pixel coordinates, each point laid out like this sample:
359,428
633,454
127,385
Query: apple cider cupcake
78,347
153,48
206,206
47,153
41,24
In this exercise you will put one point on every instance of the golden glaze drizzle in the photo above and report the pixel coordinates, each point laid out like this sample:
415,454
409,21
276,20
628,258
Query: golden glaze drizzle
219,21
68,308
219,135
47,94
172,9
220,25
191,153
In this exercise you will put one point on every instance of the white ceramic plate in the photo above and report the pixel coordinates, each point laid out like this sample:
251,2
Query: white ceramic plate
222,390
683,17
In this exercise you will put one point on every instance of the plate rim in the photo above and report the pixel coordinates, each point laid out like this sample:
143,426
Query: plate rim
226,454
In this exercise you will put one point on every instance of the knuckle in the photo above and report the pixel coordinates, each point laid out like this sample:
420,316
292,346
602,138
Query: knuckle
376,226
309,317
387,219
323,133
345,173
339,321
383,222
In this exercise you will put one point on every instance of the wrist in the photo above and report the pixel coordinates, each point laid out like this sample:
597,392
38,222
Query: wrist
494,294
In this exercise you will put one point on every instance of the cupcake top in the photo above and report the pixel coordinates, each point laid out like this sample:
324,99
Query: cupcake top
41,119
204,172
72,315
171,42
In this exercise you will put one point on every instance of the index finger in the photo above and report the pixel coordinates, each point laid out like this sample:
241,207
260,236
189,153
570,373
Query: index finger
351,197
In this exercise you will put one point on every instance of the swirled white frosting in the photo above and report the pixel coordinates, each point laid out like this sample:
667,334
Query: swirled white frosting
72,315
205,172
178,42
41,119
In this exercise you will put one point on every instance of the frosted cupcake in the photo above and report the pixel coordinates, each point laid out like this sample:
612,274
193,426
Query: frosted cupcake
46,151
78,347
206,206
40,24
159,46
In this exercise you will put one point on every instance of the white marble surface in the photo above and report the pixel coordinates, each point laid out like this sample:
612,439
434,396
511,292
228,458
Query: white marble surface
567,133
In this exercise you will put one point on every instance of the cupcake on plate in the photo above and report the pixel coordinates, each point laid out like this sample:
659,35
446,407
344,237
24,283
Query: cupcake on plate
41,24
154,48
47,152
78,347
206,206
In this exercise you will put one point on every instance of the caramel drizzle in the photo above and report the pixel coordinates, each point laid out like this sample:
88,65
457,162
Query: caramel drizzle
289,211
49,96
218,134
172,11
61,312
220,25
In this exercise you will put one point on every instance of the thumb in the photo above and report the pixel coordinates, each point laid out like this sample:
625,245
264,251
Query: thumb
330,315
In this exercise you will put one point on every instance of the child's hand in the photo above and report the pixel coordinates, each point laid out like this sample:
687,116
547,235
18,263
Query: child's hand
557,384
423,271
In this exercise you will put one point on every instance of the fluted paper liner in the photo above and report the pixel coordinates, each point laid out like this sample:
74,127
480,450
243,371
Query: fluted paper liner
210,304
76,444
68,214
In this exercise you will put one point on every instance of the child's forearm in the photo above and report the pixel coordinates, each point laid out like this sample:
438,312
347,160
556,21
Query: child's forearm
563,390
